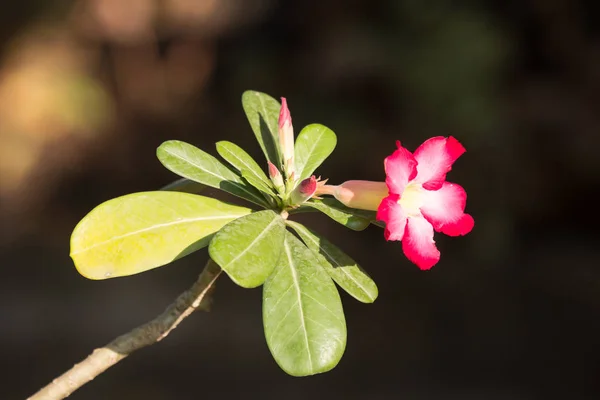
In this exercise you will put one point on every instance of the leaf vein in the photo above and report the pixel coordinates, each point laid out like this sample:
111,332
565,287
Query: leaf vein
309,154
331,259
279,300
234,178
157,226
281,320
299,293
256,239
289,339
324,306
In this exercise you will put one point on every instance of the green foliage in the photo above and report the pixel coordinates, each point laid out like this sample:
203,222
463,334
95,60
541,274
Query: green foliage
302,313
141,231
248,248
303,317
314,144
190,162
339,213
246,165
263,114
343,269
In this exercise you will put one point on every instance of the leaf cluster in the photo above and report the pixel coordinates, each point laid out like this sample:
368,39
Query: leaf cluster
256,245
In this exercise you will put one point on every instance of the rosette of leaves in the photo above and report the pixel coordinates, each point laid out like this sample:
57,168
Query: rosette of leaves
255,245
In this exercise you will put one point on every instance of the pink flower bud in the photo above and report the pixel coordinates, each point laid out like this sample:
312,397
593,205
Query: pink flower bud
276,177
304,191
286,138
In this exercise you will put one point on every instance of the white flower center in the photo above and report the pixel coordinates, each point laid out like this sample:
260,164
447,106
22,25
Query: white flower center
411,199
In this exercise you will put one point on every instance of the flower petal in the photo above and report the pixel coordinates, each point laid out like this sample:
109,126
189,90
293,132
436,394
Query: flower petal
444,209
435,158
418,244
391,213
400,168
461,227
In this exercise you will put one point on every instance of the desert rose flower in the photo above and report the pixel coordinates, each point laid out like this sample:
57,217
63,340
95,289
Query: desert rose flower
415,199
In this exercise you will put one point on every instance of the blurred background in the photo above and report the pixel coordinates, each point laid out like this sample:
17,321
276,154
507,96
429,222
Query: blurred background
90,88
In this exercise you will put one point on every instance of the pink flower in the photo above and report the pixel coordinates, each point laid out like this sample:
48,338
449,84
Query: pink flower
421,201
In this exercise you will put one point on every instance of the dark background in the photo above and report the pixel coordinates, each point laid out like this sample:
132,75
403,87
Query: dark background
90,88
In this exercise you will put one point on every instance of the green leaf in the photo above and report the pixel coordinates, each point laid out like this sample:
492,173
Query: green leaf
141,231
263,114
303,317
248,248
249,169
192,163
314,144
184,185
261,186
343,269
339,213
302,210
380,224
366,214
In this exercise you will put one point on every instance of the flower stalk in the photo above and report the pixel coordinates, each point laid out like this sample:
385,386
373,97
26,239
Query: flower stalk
196,297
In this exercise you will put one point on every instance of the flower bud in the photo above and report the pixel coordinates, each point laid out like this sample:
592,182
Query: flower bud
304,191
276,177
286,138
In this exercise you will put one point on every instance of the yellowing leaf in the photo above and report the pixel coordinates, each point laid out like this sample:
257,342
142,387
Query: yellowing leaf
141,231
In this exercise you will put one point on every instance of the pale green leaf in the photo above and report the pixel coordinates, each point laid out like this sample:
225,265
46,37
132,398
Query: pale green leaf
246,165
314,144
190,162
303,317
371,216
248,248
339,213
184,185
263,114
141,231
343,269
258,184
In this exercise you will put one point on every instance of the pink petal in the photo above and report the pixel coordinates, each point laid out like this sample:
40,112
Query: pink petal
435,158
461,227
418,244
284,114
391,213
444,209
433,185
400,168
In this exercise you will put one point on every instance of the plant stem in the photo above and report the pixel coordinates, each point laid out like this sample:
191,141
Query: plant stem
147,334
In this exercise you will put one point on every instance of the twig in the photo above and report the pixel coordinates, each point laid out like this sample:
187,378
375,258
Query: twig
145,335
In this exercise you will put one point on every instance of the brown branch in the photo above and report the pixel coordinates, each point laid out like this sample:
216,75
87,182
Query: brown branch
145,335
